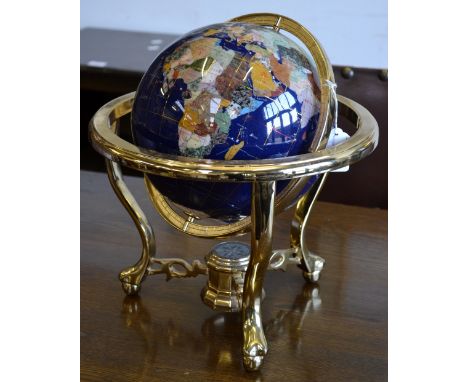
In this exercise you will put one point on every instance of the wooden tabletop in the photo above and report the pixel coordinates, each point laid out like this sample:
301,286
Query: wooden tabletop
335,331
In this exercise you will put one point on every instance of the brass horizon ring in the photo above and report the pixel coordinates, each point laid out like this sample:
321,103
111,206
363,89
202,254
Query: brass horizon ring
104,138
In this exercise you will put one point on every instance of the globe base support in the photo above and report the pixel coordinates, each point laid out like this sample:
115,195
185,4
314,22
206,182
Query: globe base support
310,263
235,270
132,277
263,202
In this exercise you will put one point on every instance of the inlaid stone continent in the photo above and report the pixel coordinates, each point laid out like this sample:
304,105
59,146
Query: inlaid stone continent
231,91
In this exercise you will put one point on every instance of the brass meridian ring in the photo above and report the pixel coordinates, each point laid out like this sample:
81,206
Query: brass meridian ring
328,102
194,229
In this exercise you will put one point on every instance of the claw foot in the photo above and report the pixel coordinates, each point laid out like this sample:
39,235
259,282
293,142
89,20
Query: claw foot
255,350
131,289
311,277
316,264
253,363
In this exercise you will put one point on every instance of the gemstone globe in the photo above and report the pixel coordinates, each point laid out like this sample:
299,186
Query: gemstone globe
230,91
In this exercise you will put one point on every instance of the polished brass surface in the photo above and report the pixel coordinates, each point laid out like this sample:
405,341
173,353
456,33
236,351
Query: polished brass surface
189,226
234,284
169,268
263,203
227,263
311,263
110,145
281,258
132,277
226,276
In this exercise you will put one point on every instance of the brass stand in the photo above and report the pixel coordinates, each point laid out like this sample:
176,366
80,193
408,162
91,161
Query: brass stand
232,284
132,277
261,258
311,264
263,202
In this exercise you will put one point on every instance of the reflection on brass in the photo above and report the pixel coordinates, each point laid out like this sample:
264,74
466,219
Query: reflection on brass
226,272
156,334
237,284
311,264
132,277
292,320
263,203
191,227
137,317
280,259
110,145
227,263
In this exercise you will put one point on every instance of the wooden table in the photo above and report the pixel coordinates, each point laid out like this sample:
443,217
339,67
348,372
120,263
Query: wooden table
336,331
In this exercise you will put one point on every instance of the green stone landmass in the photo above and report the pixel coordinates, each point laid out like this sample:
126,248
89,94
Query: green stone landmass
198,152
223,121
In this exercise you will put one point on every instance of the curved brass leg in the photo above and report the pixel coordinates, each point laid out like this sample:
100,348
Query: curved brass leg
311,264
255,345
132,277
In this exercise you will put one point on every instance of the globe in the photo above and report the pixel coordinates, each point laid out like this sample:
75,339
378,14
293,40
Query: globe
230,91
